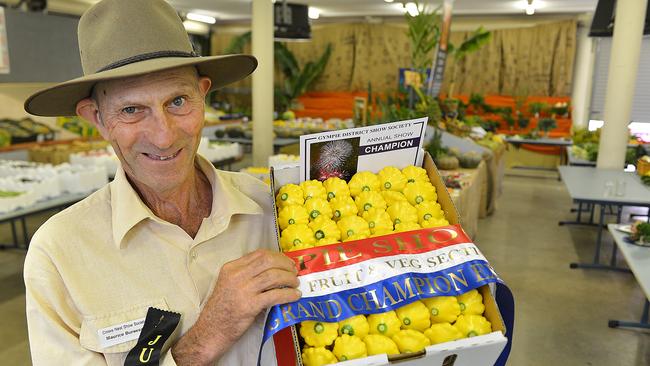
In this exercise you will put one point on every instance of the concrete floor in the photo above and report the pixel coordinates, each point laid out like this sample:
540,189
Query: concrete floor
561,314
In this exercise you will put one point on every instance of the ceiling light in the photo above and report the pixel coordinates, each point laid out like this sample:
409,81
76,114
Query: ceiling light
201,18
412,9
530,8
193,27
313,13
388,1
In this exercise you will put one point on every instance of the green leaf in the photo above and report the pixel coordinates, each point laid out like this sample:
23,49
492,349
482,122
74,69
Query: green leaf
238,43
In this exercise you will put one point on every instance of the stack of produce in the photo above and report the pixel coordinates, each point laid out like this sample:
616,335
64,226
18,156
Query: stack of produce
94,158
369,205
315,213
408,329
216,151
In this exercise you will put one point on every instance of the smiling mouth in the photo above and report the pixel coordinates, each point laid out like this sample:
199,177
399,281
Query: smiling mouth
162,157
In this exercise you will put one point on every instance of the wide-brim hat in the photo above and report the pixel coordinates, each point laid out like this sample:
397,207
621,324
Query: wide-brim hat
124,38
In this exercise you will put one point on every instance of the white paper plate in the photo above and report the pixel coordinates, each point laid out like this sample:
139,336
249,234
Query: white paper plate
624,228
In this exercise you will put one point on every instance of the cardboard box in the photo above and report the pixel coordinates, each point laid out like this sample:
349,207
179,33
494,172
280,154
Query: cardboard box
476,351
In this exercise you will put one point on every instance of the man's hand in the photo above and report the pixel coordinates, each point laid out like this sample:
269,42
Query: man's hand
245,287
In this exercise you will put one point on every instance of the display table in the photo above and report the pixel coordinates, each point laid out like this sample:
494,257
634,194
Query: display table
572,160
20,215
471,198
638,259
594,186
278,142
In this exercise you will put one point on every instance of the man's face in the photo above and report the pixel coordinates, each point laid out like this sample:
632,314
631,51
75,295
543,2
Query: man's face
154,124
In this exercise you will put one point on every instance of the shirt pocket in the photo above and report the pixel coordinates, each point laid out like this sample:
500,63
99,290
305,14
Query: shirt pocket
113,332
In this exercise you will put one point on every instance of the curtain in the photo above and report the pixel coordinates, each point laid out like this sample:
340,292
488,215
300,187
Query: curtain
520,61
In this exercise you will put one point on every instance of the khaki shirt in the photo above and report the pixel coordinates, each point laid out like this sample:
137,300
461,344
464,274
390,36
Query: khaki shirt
105,260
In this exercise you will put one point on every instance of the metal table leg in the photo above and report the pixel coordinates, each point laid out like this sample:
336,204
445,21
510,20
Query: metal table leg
14,236
642,324
578,221
25,236
599,241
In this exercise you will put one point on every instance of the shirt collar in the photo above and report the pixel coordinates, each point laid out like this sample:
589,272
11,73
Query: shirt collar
128,209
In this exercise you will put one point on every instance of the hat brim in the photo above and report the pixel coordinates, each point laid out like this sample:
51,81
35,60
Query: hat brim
61,99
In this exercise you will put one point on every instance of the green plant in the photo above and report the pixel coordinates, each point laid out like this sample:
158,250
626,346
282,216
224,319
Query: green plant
435,147
522,122
476,40
238,43
537,108
296,79
546,124
423,33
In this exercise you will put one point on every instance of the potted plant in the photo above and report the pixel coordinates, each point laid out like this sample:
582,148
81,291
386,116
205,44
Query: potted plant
546,124
537,108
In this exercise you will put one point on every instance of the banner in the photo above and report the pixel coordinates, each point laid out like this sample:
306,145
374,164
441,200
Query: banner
380,274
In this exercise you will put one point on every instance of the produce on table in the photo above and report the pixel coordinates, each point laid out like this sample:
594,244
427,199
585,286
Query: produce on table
315,214
641,232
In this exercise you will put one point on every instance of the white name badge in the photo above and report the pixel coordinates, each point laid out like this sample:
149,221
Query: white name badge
120,333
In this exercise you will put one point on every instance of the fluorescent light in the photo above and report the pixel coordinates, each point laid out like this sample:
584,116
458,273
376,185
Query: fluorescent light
196,27
388,1
412,9
313,13
201,18
530,9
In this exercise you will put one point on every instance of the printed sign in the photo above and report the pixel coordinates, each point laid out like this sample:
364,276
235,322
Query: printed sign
120,333
343,153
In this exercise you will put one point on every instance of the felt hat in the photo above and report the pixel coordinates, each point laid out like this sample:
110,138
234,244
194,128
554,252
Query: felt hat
123,38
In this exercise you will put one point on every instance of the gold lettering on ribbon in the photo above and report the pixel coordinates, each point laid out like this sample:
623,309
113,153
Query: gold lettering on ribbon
302,262
445,281
302,309
433,240
337,306
286,309
354,308
343,254
154,341
455,278
381,244
317,310
373,299
142,356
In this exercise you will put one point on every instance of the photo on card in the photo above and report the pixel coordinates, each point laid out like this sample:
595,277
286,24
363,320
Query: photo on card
336,158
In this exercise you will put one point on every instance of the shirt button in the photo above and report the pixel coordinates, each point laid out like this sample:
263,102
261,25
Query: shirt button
193,254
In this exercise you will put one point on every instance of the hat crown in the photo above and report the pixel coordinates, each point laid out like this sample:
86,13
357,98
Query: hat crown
114,33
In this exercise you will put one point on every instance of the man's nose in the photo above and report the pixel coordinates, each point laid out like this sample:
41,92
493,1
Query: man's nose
162,131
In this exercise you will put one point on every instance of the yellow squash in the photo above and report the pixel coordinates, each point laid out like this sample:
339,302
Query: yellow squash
370,199
313,189
290,194
292,214
402,212
391,179
347,347
419,192
407,226
317,207
377,344
317,356
414,316
442,332
471,303
378,221
363,181
318,334
353,226
409,340
325,228
434,223
384,323
326,241
472,325
356,326
391,197
415,174
336,187
428,210
342,207
443,309
296,234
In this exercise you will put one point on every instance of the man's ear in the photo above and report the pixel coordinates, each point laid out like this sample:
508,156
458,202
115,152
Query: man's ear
204,85
89,110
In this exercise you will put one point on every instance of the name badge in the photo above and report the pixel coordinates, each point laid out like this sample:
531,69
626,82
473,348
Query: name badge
120,333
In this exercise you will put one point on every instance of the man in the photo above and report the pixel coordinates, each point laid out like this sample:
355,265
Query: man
170,232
